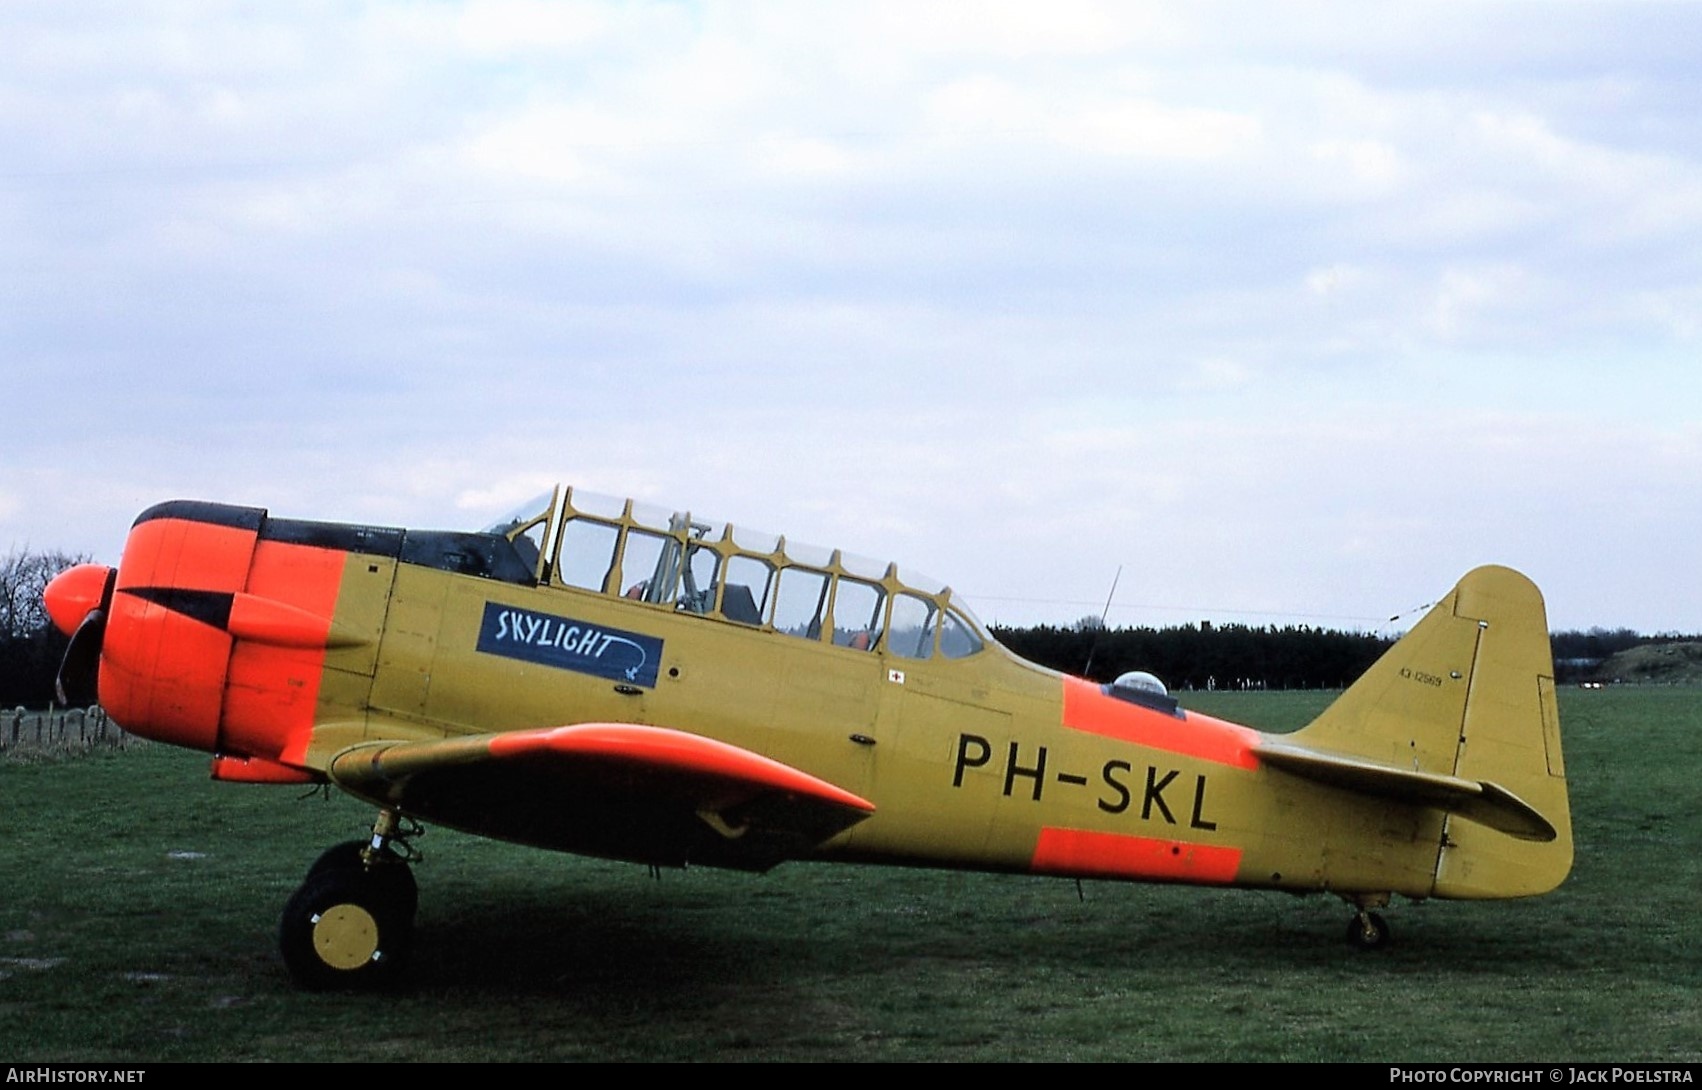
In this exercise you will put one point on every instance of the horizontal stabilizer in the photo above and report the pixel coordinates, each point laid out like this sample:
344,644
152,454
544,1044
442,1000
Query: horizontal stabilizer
647,794
1477,800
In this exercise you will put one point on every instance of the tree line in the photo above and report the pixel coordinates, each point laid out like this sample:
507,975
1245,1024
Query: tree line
1234,656
1204,656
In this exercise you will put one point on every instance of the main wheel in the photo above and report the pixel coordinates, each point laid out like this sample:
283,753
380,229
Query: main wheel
346,928
1368,931
391,869
336,857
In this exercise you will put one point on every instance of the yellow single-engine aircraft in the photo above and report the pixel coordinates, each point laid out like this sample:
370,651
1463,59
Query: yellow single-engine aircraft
603,677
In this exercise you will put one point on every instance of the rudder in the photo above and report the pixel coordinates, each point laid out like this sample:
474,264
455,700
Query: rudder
1469,693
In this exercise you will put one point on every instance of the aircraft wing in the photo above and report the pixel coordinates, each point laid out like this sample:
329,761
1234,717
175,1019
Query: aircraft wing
1482,801
642,793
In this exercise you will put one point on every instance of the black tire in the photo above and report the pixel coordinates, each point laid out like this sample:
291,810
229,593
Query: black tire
346,928
392,870
1369,933
337,857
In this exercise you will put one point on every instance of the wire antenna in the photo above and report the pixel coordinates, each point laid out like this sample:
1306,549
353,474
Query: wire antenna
1099,633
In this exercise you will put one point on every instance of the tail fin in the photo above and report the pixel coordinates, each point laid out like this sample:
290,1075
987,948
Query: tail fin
1460,714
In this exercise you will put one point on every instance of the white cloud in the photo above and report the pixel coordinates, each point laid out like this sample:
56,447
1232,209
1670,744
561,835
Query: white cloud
1470,296
1014,30
1373,166
1333,279
508,27
1280,309
555,143
1153,130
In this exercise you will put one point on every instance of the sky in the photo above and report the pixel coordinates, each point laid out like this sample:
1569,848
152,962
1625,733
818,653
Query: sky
1272,313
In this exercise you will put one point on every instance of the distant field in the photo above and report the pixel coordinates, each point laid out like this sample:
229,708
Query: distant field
140,902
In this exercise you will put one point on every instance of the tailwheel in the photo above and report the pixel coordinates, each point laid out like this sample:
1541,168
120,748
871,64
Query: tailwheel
1367,931
348,927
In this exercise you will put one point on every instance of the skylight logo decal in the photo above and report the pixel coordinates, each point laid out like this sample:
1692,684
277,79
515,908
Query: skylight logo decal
568,644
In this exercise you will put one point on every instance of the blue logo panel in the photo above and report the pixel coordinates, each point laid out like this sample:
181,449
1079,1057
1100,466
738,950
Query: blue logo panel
568,644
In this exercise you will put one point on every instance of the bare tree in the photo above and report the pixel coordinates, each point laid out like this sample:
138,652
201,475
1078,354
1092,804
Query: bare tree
1089,622
24,576
30,647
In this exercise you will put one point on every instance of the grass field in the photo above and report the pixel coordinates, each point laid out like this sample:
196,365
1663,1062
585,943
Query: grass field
140,899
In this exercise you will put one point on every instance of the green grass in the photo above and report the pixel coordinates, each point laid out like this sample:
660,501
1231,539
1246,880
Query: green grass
140,900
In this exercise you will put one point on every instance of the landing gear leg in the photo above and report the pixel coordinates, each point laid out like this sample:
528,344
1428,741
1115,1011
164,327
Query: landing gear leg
1368,930
350,924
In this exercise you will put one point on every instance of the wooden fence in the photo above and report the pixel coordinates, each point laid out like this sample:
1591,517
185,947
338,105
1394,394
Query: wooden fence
58,728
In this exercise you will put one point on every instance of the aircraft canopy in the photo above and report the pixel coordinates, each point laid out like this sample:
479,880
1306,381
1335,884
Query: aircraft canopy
672,559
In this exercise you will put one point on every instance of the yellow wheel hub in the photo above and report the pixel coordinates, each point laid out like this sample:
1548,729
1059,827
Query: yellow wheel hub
345,936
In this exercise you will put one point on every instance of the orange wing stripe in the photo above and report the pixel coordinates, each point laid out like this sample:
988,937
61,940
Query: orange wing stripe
1086,854
1088,709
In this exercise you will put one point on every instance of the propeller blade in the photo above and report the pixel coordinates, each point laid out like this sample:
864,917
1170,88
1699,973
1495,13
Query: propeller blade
80,668
79,671
81,596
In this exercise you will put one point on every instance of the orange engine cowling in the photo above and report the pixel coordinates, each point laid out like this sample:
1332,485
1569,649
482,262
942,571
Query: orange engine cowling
167,651
214,635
